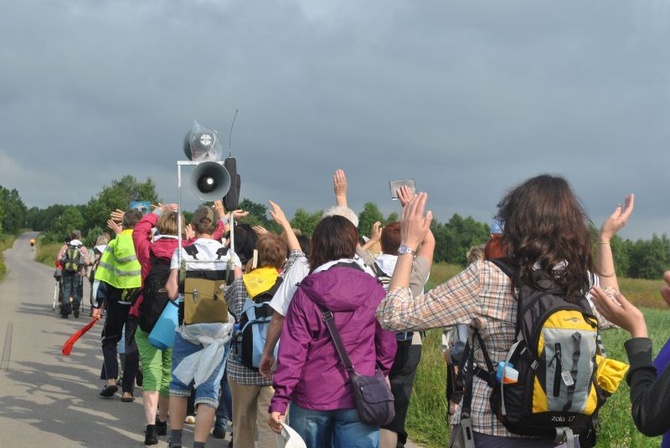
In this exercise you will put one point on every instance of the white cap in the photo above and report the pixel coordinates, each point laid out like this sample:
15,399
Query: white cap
289,438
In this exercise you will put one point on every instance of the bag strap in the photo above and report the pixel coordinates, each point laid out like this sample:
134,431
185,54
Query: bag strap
468,370
329,318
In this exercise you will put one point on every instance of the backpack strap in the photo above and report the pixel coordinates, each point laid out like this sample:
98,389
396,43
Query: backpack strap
192,250
505,265
377,270
221,252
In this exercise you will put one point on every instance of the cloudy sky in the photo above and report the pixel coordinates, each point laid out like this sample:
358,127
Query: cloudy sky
467,97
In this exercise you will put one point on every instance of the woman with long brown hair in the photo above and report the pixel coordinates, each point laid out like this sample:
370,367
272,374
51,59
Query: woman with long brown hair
546,235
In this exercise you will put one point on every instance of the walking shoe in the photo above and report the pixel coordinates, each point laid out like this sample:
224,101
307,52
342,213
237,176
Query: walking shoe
170,445
161,427
151,435
76,313
219,433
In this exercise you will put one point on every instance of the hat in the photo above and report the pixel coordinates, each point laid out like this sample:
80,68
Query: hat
496,226
288,438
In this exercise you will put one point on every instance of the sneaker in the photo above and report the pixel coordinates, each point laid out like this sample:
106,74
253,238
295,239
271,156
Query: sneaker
161,427
151,435
190,419
219,433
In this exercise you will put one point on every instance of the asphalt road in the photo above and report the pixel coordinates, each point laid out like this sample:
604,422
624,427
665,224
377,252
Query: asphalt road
47,399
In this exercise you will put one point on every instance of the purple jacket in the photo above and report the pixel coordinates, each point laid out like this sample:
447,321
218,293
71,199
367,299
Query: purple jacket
309,371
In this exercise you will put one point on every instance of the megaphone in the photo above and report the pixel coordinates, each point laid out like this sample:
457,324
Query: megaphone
210,180
202,143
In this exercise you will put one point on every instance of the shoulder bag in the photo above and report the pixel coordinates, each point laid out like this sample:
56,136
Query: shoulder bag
373,396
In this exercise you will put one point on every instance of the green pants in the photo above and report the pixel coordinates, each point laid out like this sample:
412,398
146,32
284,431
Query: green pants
156,365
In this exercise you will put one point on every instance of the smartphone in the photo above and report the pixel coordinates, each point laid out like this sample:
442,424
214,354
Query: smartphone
395,185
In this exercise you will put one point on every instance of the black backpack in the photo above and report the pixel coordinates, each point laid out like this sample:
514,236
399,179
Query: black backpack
556,394
72,258
252,328
154,294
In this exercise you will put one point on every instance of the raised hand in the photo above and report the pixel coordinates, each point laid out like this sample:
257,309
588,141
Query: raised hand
260,230
618,219
340,187
415,223
404,195
117,215
618,310
278,215
114,226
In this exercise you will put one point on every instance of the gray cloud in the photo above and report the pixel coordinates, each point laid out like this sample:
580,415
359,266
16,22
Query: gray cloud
468,98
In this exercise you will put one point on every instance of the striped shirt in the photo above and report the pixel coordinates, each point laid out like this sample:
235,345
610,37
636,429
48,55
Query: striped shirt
479,295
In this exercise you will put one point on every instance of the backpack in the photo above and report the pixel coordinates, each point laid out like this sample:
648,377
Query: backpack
556,394
72,258
154,294
382,276
251,328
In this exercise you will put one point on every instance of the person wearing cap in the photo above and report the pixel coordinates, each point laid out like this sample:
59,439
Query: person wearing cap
72,282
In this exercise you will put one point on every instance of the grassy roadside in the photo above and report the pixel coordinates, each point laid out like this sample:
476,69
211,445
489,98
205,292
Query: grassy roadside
46,253
6,242
427,417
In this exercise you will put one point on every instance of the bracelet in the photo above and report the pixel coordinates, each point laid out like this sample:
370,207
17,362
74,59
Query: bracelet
604,243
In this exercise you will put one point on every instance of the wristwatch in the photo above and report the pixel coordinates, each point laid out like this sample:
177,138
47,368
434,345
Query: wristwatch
403,249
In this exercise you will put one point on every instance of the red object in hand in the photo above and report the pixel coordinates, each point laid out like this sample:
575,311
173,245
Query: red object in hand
58,264
69,344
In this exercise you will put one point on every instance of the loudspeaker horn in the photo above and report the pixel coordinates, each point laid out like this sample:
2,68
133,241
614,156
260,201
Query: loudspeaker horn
210,180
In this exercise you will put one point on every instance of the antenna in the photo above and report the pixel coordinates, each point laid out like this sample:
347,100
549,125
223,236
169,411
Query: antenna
230,134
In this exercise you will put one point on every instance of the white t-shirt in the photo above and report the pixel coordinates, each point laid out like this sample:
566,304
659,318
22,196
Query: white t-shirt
292,278
206,258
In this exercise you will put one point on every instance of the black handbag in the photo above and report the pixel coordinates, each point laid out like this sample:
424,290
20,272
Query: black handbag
373,396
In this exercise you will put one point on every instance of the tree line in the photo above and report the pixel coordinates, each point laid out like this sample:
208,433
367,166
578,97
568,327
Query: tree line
646,259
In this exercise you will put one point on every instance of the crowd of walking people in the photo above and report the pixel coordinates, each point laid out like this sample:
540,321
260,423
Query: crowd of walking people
250,351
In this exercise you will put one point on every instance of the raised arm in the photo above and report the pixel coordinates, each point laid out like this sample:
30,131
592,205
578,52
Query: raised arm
414,228
604,258
278,215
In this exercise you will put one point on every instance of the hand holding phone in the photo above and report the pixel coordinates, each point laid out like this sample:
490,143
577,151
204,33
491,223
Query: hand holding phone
395,185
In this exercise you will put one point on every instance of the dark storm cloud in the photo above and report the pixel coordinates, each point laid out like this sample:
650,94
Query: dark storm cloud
468,98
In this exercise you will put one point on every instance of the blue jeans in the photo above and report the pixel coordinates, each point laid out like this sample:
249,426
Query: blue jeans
206,393
340,428
224,412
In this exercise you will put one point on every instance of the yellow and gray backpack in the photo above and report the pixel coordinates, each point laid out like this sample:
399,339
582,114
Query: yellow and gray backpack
556,394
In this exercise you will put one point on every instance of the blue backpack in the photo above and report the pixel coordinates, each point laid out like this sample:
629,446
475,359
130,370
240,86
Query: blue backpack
252,328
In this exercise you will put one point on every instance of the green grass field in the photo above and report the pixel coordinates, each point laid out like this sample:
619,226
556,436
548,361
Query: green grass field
427,417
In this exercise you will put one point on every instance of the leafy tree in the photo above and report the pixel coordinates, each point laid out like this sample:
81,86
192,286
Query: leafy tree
13,211
368,217
119,195
649,259
306,222
70,219
393,216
